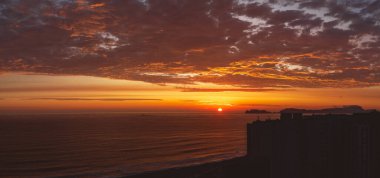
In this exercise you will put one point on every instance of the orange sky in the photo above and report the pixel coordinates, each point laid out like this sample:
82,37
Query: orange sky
46,93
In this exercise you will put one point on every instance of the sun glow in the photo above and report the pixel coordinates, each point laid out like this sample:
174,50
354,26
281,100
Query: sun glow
220,109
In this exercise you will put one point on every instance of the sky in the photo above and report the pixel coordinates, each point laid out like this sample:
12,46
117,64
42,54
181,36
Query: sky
188,55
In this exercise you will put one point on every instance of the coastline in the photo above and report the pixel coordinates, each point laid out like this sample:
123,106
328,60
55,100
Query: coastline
240,167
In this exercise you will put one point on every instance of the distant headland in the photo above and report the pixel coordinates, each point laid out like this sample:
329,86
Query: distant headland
257,111
349,109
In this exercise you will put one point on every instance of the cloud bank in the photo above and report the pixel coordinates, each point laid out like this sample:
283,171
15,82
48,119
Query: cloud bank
97,99
253,44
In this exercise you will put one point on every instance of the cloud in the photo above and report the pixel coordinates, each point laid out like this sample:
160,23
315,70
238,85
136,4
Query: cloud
68,88
261,105
97,99
230,89
254,44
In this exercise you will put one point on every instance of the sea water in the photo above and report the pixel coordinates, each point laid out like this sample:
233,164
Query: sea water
117,144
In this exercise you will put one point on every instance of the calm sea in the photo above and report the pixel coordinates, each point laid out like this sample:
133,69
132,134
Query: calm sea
116,145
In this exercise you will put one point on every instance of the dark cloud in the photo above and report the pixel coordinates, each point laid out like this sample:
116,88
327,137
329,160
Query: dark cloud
97,99
69,88
261,105
252,44
230,89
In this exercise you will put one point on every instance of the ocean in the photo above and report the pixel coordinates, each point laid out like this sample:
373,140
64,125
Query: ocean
111,145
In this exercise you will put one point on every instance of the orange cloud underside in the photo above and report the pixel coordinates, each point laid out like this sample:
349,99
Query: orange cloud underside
79,93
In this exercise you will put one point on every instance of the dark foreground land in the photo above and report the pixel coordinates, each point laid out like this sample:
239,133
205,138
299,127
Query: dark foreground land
235,168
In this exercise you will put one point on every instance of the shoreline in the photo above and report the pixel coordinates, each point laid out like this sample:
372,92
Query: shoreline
240,167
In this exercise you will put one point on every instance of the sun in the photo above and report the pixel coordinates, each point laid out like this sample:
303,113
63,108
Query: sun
220,109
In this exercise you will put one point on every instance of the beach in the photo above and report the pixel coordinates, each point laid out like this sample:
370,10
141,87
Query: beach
240,167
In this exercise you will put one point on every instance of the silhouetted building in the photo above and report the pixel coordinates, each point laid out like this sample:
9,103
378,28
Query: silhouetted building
324,146
290,115
286,116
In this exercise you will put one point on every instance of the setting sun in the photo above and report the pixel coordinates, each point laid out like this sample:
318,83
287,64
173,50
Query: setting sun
220,109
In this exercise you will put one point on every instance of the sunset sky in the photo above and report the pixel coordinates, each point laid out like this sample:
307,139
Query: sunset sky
188,55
